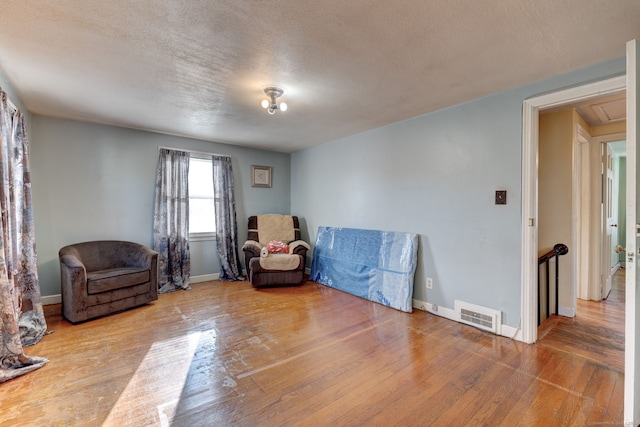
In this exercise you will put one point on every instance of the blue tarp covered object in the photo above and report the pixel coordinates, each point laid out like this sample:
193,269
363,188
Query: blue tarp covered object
374,265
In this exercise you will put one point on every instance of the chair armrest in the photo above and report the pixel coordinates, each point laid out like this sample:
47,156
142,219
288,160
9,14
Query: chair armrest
299,247
141,256
253,247
73,284
146,257
71,261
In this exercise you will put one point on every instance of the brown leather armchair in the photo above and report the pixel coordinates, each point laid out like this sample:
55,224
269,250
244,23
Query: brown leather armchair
274,269
107,276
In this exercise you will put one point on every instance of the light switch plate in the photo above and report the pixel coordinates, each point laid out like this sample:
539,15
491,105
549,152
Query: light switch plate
501,197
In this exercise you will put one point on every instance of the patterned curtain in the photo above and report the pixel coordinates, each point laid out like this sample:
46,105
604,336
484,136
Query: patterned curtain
226,225
171,221
22,321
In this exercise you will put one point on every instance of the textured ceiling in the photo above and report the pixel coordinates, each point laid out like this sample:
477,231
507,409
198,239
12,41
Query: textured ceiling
197,67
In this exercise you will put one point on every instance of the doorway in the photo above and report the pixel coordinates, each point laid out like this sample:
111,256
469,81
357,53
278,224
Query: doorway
578,183
613,218
531,109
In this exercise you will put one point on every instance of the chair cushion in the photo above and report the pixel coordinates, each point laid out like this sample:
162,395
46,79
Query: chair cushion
115,278
277,262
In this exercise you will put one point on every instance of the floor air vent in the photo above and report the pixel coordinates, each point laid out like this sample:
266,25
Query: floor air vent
484,318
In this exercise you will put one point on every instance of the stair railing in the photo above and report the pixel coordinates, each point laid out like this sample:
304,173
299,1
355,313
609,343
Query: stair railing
558,250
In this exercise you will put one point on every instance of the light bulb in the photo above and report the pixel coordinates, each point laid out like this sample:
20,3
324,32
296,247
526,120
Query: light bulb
283,106
265,103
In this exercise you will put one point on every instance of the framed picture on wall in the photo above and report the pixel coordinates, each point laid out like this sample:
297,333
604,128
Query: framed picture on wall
261,176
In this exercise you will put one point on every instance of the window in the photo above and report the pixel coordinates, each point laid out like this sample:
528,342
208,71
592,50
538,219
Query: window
202,222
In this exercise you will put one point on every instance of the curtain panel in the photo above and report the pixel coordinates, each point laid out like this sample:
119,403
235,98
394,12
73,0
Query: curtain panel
226,224
171,221
22,320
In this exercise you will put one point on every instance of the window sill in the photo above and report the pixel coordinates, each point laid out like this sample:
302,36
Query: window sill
202,237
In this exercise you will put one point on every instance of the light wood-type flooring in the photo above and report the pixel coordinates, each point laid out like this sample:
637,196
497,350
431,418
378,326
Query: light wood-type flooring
225,354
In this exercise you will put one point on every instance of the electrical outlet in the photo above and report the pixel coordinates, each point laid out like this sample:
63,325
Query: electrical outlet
429,283
434,308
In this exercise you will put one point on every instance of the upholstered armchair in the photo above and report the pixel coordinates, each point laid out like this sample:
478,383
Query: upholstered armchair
104,277
274,255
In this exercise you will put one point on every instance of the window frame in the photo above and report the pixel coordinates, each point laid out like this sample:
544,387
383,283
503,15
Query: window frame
206,235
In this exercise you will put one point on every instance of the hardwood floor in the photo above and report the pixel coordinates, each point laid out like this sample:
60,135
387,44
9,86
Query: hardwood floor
225,354
597,331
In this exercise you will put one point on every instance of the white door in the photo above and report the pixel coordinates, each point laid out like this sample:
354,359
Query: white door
632,333
608,220
615,223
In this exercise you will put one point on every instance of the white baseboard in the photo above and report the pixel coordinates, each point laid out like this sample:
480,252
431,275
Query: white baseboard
57,299
616,268
445,312
567,311
204,278
52,299
511,332
448,313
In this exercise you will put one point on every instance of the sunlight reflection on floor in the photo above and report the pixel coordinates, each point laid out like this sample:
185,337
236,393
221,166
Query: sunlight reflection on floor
160,379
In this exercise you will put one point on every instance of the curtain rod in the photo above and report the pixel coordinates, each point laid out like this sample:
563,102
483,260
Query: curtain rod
11,104
202,153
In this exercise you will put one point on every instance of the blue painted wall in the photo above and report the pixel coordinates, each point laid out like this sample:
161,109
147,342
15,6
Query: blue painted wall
94,182
436,175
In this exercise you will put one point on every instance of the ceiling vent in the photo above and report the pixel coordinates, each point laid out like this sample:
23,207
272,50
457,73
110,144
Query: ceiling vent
483,318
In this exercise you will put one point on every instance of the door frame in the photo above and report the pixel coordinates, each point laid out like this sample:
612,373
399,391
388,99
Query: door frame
530,133
582,213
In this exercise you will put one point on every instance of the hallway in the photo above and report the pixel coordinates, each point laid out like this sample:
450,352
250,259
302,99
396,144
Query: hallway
597,331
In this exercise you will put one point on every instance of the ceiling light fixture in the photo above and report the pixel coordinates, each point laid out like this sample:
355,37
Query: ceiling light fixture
270,104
